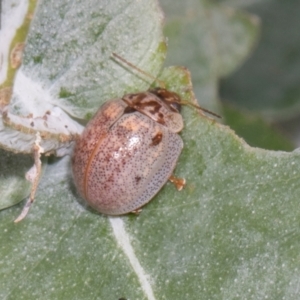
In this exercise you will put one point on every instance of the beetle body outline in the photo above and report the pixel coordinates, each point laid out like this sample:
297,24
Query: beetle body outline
128,151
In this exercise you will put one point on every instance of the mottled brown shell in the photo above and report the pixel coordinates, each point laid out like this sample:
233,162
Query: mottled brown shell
127,153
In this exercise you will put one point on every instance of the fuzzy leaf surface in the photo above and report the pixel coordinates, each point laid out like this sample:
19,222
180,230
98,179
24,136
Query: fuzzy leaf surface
232,231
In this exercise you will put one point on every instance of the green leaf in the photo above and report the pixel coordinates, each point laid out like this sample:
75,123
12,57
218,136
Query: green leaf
210,40
269,81
70,44
232,231
238,3
13,185
255,131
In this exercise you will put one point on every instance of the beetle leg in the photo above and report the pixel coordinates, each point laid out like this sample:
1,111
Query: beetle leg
178,182
137,211
33,175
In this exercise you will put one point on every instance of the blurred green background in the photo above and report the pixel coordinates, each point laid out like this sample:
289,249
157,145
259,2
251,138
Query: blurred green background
259,92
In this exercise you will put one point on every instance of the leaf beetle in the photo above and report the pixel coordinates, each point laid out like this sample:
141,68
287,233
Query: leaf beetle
129,150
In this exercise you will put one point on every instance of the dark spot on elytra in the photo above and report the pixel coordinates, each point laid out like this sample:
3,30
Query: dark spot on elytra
156,139
137,179
32,124
123,161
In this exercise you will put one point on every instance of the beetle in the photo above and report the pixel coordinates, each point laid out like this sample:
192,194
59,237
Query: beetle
129,150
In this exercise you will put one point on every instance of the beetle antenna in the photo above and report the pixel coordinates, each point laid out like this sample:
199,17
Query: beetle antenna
201,108
161,83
